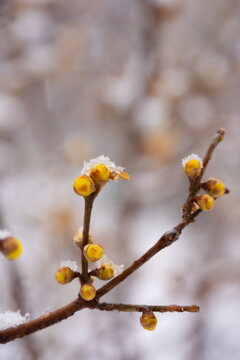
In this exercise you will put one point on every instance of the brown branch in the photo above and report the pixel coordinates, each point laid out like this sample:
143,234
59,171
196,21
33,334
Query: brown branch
141,308
86,225
167,239
216,140
41,322
79,304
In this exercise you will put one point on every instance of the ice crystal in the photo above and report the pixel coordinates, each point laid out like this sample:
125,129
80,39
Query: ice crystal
118,269
87,166
68,263
190,157
4,234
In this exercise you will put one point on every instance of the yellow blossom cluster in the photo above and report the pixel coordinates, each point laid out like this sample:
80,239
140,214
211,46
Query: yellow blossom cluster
214,187
96,174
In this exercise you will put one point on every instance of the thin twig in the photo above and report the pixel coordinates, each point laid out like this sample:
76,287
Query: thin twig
141,308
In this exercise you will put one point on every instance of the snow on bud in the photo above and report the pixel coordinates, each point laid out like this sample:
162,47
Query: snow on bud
65,275
83,185
105,261
78,238
102,169
11,247
100,174
206,202
105,272
93,252
214,187
87,292
192,165
148,320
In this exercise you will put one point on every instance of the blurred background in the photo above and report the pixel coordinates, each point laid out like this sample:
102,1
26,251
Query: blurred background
145,82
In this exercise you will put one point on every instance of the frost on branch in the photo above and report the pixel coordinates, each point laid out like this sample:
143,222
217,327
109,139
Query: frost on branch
10,319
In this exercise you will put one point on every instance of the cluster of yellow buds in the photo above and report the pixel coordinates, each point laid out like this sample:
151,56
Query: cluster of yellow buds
96,174
148,320
10,246
215,188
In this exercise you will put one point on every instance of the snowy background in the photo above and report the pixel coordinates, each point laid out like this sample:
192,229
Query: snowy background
145,82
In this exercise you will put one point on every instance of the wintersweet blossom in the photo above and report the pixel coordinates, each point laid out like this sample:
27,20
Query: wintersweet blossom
118,269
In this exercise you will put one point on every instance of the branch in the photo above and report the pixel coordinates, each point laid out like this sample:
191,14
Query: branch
79,304
41,322
141,308
167,239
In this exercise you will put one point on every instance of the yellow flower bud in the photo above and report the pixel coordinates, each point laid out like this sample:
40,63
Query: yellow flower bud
83,185
193,168
206,202
105,272
93,252
11,247
87,292
100,174
65,275
78,238
214,187
148,320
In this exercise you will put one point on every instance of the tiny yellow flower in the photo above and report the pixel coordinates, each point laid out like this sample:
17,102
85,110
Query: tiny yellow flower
64,275
100,174
206,202
192,166
105,272
87,292
148,320
11,247
214,187
93,252
83,185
